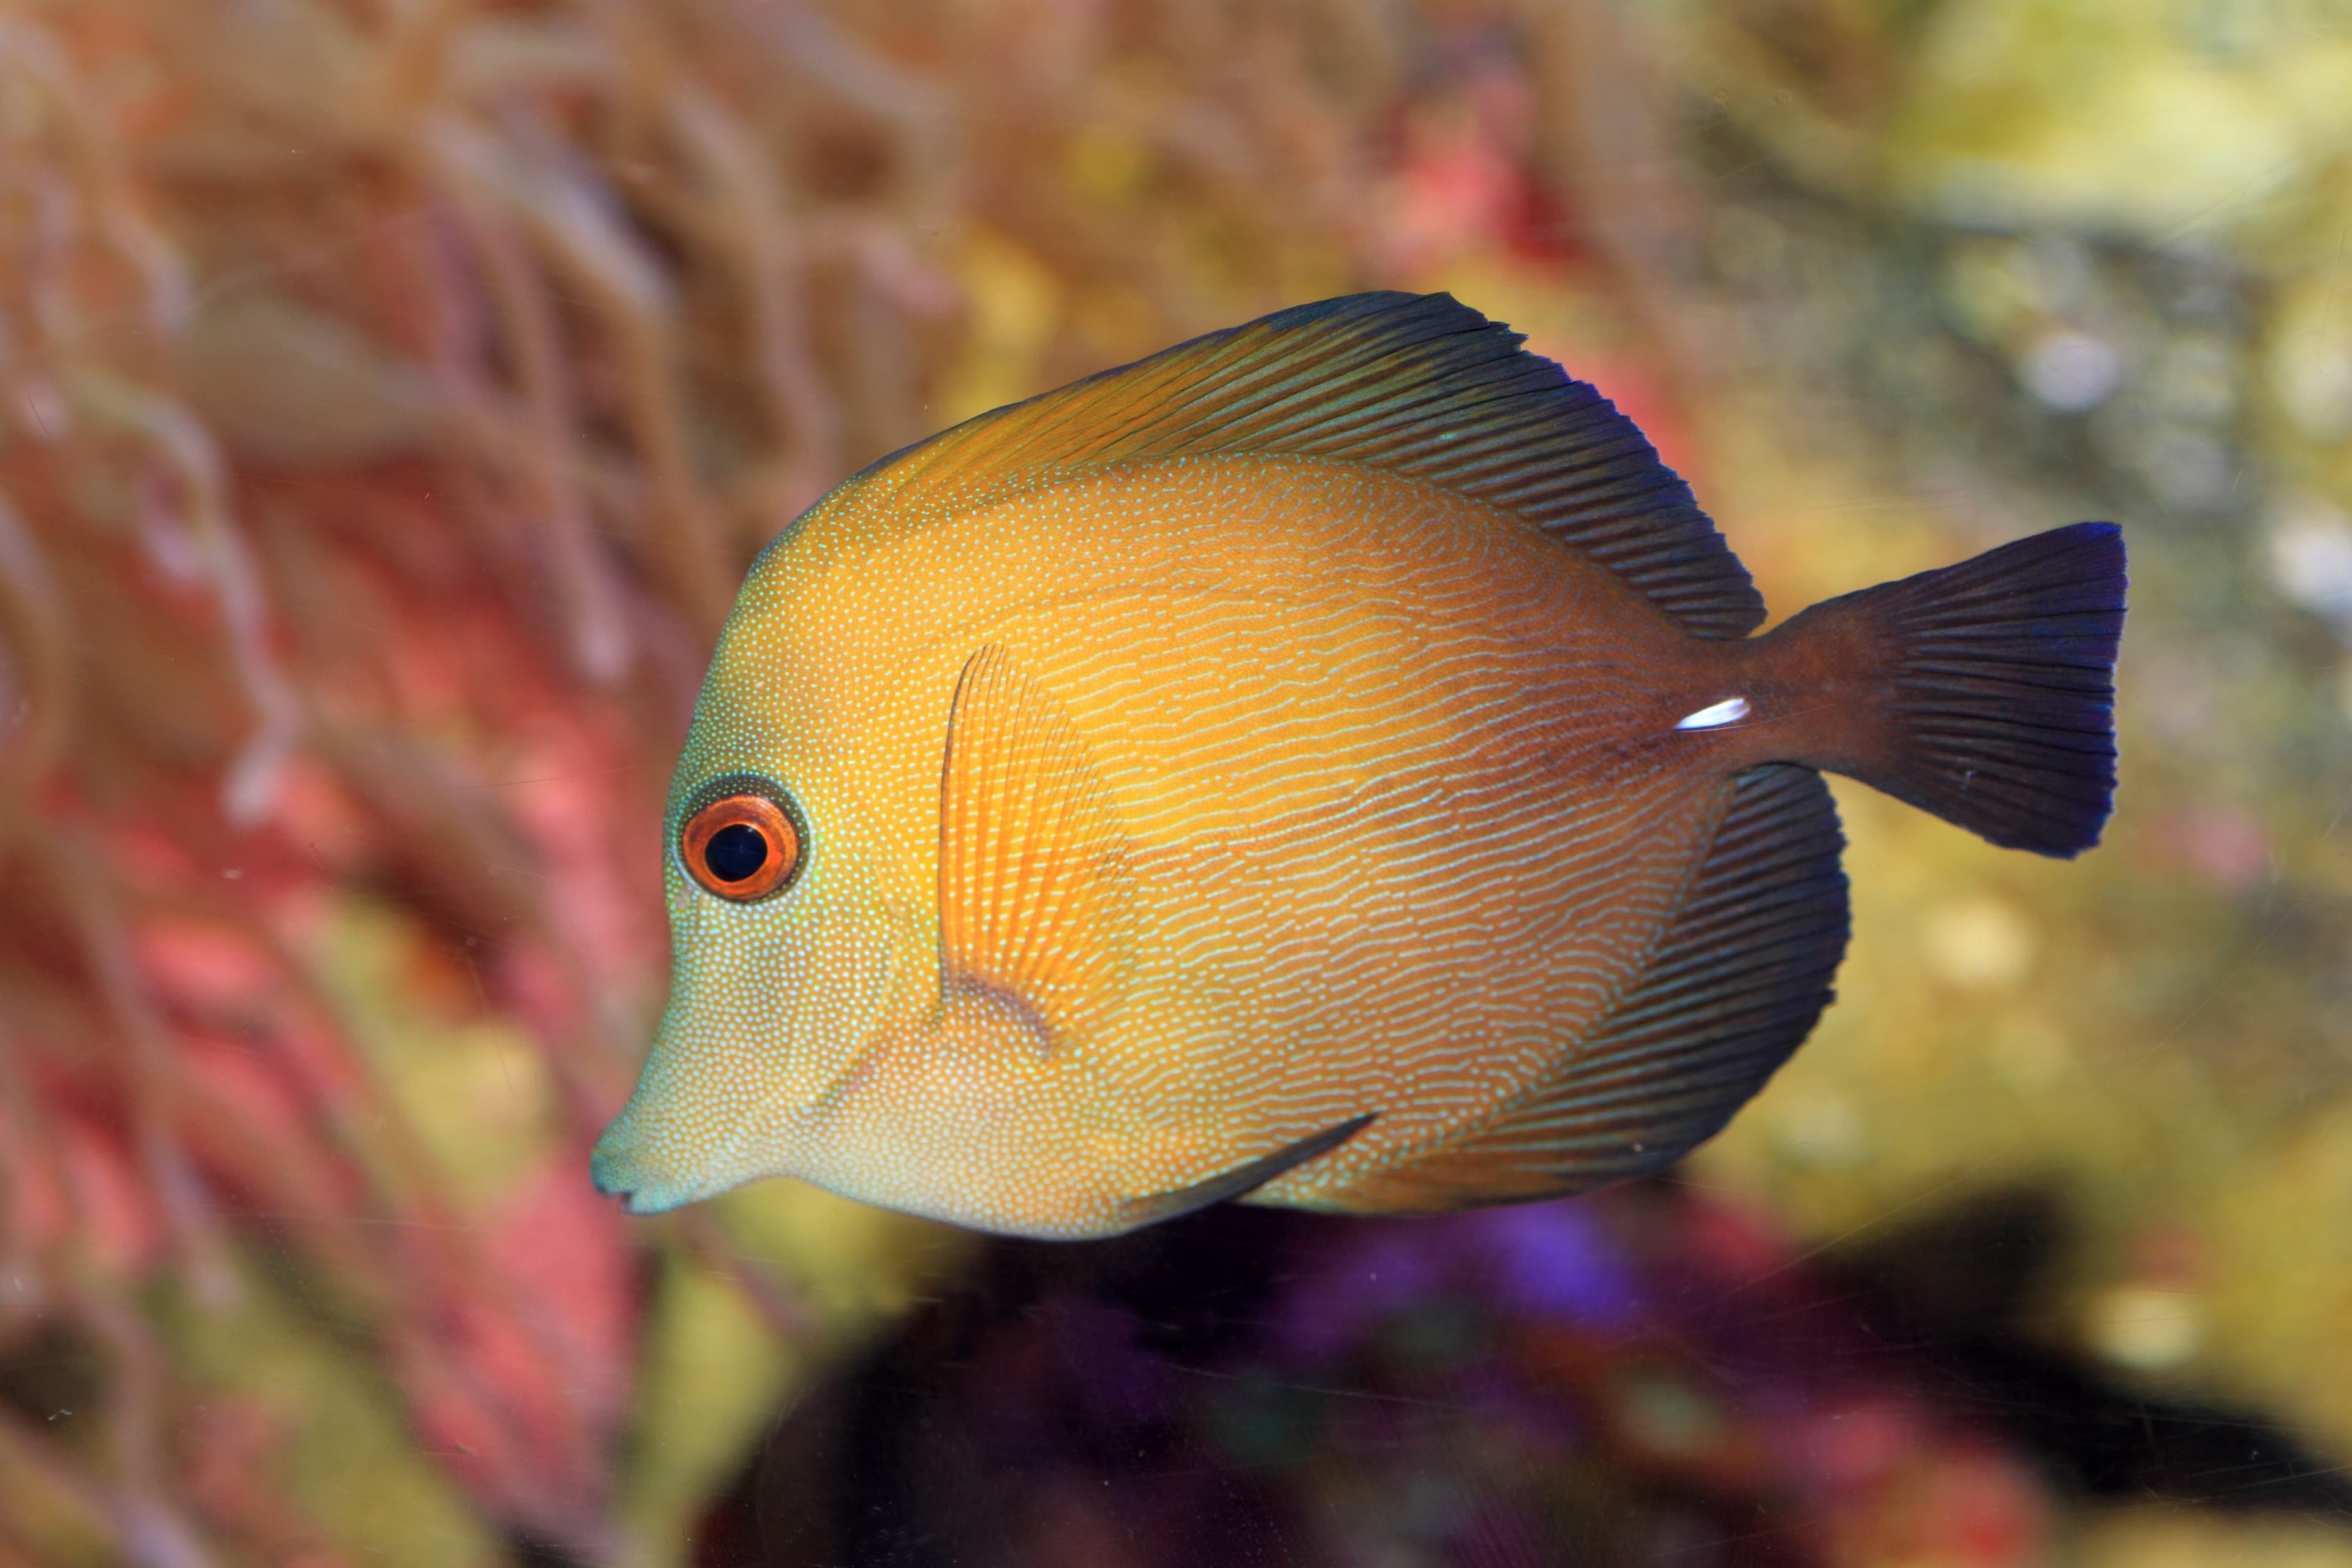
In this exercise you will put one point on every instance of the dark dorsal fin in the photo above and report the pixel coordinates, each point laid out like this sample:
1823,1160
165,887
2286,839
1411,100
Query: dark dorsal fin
1243,1179
1415,385
1734,987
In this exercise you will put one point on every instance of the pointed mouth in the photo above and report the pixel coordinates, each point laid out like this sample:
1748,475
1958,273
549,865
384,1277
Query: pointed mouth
641,1201
636,1197
607,1184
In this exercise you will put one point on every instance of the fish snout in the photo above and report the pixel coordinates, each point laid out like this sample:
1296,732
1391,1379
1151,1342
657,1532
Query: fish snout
605,1171
617,1174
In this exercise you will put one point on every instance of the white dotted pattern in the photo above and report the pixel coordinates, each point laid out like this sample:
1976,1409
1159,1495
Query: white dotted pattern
1399,807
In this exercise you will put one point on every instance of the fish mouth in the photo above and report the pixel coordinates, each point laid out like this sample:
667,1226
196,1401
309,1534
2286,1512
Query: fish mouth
639,1196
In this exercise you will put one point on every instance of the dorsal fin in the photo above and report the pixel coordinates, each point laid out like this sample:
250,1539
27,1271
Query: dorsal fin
1032,862
1416,384
1735,985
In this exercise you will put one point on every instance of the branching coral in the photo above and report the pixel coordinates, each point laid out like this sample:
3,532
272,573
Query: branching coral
394,394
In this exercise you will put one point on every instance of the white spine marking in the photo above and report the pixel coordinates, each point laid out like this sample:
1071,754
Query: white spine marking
1730,710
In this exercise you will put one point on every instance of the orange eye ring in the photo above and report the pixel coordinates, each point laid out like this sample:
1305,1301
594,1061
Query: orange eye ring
740,846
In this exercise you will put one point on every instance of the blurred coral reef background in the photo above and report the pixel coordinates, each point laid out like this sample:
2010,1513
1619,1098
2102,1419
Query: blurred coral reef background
391,392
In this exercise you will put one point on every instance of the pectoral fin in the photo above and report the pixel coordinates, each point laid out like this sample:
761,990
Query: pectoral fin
1032,860
1242,1179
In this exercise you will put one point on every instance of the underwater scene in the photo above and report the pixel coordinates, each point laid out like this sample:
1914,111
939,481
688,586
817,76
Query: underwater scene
1593,812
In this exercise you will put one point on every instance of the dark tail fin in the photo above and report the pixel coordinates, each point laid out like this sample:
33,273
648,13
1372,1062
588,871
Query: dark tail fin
1994,687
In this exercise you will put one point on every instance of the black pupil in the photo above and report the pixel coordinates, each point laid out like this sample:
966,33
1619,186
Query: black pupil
736,852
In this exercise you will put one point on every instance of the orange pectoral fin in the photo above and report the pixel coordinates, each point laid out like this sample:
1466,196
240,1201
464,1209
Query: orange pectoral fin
1032,877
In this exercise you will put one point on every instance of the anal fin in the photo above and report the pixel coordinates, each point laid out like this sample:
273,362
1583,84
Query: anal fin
1242,1179
1735,985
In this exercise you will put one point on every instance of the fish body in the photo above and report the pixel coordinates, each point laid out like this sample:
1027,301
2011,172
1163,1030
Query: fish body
1182,806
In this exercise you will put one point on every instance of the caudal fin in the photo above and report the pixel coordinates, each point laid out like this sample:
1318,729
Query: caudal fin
1993,692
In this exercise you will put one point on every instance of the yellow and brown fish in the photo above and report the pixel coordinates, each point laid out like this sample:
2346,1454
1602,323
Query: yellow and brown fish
1325,762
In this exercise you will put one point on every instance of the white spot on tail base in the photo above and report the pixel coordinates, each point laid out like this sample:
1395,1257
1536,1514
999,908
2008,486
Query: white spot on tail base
1730,710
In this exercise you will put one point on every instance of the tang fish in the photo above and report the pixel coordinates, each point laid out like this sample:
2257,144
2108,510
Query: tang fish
1325,763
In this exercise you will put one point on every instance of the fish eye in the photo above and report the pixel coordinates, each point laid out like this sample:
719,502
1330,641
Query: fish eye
743,845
